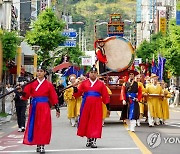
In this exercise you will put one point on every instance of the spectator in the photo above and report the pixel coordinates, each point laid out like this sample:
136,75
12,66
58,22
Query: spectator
20,109
176,98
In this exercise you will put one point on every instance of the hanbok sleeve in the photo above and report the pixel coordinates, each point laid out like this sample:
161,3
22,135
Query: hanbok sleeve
80,90
101,58
105,95
123,93
53,98
139,93
26,92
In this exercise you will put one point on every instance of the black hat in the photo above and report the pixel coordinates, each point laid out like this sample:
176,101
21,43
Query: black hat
40,67
93,69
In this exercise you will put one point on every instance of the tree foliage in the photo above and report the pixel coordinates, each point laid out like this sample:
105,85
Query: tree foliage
73,52
46,33
10,42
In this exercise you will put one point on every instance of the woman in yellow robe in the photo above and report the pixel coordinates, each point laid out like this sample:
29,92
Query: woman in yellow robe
164,102
154,105
104,106
141,105
73,104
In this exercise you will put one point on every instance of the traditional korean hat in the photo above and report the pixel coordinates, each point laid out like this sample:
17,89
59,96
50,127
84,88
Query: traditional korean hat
133,71
72,76
143,64
40,67
153,76
93,69
98,41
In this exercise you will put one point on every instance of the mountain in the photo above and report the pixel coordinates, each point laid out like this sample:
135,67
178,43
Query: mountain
90,11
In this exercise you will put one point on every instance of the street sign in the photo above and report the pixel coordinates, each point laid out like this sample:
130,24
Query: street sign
86,61
162,25
69,43
70,34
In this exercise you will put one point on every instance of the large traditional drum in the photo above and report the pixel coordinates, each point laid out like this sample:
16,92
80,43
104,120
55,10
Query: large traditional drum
119,53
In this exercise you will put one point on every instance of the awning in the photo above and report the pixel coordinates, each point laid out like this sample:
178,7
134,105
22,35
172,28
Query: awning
61,66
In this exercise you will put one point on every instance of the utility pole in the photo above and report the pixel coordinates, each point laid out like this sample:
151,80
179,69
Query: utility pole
79,37
49,3
82,41
1,61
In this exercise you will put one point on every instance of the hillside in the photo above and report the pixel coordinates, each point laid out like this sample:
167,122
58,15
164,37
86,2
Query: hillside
88,11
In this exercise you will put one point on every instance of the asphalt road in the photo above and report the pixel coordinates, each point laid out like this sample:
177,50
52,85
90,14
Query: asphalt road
115,138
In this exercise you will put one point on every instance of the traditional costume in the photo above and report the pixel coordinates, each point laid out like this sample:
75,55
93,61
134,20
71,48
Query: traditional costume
154,106
141,103
129,93
104,106
100,54
38,129
73,104
164,103
90,121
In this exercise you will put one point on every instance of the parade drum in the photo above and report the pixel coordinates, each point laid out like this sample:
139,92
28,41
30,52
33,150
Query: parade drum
119,53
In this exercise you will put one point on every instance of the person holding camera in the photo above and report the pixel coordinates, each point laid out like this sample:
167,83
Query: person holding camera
20,109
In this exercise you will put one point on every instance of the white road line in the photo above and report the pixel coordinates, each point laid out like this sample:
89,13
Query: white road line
172,125
66,150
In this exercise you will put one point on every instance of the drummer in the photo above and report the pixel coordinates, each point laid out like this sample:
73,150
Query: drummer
100,53
154,107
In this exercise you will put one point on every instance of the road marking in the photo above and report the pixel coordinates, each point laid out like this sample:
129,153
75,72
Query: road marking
65,150
174,110
138,142
172,125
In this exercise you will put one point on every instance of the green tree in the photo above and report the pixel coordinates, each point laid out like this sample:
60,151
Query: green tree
74,53
46,33
10,42
171,48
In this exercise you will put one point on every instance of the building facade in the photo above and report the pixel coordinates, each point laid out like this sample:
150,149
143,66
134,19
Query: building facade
152,16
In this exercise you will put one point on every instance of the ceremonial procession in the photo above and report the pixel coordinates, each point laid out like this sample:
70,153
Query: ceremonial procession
90,76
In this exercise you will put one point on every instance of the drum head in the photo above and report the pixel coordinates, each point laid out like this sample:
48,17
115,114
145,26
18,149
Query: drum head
119,53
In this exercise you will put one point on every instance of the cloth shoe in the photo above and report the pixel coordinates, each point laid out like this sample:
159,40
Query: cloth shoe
138,123
23,129
42,150
93,143
132,125
88,144
73,122
38,148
